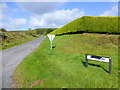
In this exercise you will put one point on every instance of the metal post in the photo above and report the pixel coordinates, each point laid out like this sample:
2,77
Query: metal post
51,41
86,60
51,44
110,65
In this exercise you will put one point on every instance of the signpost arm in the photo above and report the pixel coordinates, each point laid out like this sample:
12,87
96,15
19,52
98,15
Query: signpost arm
110,65
86,60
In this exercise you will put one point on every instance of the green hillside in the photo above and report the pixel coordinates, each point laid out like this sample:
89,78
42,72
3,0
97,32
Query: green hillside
64,65
90,24
10,39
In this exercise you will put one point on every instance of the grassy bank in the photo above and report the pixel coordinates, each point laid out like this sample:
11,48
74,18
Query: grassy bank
64,65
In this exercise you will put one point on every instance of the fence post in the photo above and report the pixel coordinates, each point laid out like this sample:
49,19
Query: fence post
110,65
86,60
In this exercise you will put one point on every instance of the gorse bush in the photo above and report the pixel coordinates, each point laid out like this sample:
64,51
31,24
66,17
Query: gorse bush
2,35
2,30
90,24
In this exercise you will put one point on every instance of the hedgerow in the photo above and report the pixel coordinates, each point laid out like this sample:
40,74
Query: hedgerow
90,24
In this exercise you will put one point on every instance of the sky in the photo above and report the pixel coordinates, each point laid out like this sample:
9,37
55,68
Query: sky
25,15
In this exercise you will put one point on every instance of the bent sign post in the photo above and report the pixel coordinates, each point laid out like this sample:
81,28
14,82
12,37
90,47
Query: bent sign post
101,59
51,37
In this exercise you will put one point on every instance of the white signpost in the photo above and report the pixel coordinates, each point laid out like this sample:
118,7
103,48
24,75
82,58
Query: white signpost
51,37
98,58
101,59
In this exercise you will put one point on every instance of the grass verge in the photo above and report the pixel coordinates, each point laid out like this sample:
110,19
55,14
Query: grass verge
64,65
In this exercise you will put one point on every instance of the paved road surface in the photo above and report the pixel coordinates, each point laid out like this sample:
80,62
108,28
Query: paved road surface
12,57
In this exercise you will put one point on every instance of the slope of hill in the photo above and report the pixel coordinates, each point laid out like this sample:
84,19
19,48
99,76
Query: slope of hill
9,39
14,38
90,24
64,65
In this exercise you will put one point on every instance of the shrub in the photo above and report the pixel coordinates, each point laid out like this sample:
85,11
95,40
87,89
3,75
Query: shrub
2,35
44,31
90,24
3,30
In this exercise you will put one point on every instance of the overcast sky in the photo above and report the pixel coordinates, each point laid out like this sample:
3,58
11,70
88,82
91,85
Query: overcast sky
24,15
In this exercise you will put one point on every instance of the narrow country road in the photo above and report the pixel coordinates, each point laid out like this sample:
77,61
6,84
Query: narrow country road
12,57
